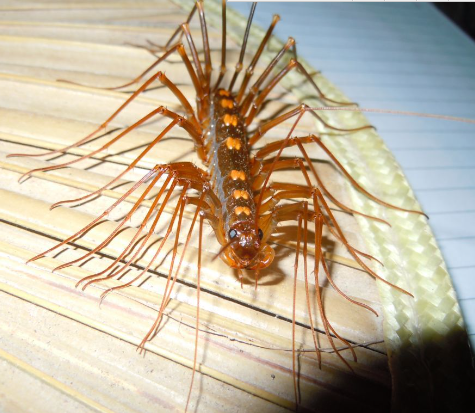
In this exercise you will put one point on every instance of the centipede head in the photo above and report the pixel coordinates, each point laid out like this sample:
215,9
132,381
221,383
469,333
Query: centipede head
245,248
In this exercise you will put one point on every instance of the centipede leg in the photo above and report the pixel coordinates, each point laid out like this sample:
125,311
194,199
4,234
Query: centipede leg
197,328
257,85
116,230
275,192
94,278
155,171
320,200
298,111
238,68
287,212
207,53
222,69
129,168
192,127
318,257
201,205
307,291
294,303
180,206
299,141
298,163
178,32
169,288
185,124
255,59
350,178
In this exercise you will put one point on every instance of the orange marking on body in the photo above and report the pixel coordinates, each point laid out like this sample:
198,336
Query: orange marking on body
227,103
235,175
230,119
242,210
223,92
240,194
233,143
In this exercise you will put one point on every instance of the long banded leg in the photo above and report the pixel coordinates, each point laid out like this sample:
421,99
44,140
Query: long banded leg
179,209
182,122
113,234
193,127
255,59
299,141
222,69
170,283
300,212
178,32
298,111
157,172
238,68
129,168
254,90
95,277
197,326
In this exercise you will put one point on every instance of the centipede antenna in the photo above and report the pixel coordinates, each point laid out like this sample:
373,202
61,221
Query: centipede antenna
243,47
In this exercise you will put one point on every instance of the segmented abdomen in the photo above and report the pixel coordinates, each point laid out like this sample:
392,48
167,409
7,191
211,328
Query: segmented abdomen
229,160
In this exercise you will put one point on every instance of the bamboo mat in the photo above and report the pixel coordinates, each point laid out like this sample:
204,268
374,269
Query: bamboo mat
75,355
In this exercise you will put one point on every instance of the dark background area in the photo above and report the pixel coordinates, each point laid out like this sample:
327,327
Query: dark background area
462,14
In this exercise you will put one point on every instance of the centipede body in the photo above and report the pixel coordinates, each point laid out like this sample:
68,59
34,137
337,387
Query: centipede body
214,270
236,288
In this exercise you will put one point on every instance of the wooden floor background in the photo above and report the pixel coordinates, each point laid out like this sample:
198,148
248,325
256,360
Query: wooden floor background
62,352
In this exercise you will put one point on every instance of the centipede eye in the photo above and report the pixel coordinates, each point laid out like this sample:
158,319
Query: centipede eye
260,233
232,233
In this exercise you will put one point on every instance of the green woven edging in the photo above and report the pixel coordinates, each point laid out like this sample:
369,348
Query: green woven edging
427,344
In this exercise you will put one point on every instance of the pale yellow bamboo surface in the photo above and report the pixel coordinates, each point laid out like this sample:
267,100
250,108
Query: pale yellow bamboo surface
61,351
